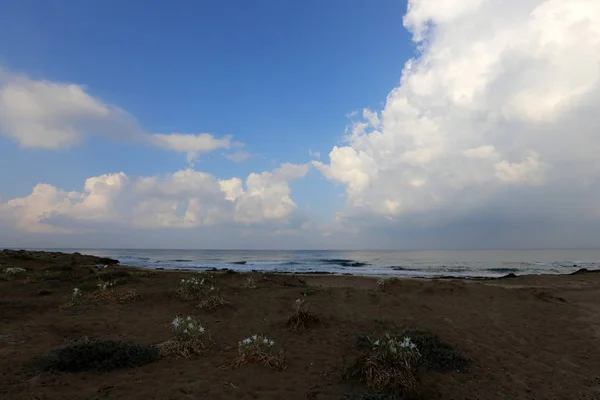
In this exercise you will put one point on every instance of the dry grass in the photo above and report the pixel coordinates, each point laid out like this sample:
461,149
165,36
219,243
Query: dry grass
211,303
380,375
103,295
175,348
275,361
302,319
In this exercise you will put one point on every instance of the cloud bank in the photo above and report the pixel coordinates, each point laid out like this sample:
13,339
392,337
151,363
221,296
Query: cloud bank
184,199
497,112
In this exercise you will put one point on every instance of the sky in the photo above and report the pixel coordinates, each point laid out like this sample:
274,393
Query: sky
419,124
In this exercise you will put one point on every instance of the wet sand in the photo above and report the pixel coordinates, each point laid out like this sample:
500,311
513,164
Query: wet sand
532,337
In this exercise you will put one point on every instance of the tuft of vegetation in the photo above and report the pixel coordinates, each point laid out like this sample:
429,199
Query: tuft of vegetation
388,364
312,290
261,350
98,355
196,288
386,283
302,318
191,339
202,289
12,271
437,354
250,283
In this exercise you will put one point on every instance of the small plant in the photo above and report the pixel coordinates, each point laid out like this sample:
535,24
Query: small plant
104,286
389,364
302,318
191,338
76,296
250,284
201,289
127,297
385,283
98,355
195,288
258,349
12,271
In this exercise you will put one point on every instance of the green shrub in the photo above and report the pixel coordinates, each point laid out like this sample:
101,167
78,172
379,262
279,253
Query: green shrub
98,355
437,355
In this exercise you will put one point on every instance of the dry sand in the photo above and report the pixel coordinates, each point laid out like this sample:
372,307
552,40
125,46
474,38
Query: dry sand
535,337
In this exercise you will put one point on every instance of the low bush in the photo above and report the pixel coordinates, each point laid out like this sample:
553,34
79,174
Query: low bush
437,354
98,355
387,364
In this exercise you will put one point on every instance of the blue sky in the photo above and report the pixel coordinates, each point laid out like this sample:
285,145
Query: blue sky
282,78
279,76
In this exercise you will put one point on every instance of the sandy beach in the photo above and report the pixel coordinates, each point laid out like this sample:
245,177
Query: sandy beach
530,337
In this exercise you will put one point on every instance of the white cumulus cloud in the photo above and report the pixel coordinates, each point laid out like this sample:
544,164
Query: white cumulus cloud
54,115
186,198
500,103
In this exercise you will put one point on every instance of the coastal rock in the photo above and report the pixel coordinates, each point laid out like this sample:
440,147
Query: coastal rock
585,271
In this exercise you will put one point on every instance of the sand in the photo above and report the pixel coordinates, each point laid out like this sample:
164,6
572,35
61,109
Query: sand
534,337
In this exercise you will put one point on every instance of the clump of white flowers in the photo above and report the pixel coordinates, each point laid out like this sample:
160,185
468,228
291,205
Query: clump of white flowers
103,286
402,351
256,344
195,288
76,297
11,271
191,339
187,328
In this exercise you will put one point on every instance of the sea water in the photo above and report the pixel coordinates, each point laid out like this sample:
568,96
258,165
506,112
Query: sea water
438,263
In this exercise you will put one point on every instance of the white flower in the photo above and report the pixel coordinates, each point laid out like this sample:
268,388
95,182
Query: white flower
191,325
266,341
185,331
254,337
189,318
201,329
271,342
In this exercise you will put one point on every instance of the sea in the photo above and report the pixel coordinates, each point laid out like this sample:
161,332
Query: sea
430,263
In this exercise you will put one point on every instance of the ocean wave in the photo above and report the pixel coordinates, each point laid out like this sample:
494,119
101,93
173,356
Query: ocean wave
343,262
181,260
503,270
